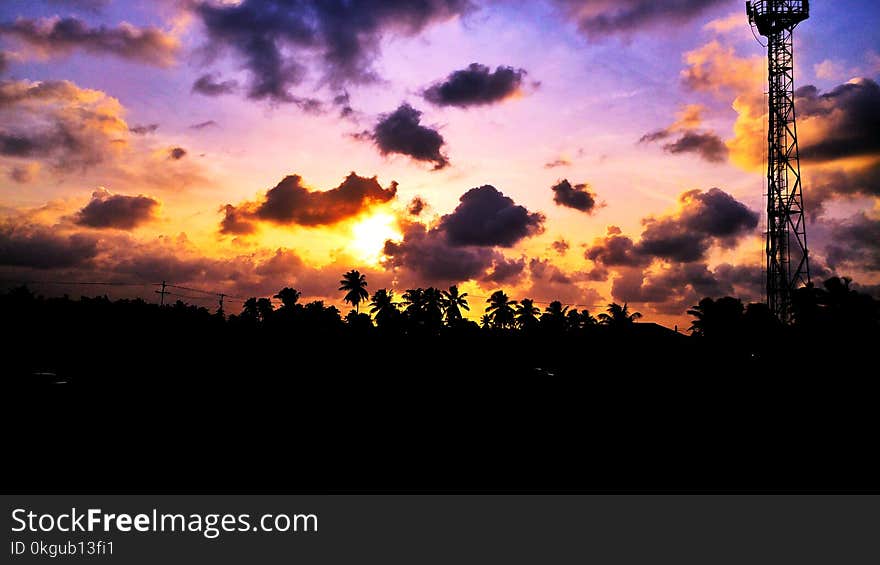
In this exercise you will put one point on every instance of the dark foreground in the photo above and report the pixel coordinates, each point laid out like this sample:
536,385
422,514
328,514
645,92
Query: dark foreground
166,405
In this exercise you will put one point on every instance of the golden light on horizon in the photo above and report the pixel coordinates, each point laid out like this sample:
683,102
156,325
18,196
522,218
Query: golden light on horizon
369,235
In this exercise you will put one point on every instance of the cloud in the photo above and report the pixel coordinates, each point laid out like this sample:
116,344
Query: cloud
176,153
615,250
703,218
840,123
601,18
117,211
278,40
235,221
290,202
144,129
204,125
55,37
416,206
38,247
579,196
428,258
210,85
463,245
854,243
477,85
706,145
4,62
24,174
487,217
559,162
59,123
671,289
560,246
717,69
401,132
504,271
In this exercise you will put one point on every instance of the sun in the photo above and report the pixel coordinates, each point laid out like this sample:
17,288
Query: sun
369,235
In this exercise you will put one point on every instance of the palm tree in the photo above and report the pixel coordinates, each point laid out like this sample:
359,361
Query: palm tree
618,316
527,314
500,309
288,297
413,299
432,308
355,285
453,302
553,317
485,321
383,307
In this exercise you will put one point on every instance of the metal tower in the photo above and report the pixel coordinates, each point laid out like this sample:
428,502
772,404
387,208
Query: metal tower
788,265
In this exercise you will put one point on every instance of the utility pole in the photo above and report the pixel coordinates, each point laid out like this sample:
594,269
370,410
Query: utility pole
161,294
788,265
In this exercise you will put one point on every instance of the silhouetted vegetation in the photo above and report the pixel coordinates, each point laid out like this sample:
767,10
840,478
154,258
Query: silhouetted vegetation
423,331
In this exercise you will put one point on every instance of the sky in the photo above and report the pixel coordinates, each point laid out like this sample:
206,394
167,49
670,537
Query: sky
588,151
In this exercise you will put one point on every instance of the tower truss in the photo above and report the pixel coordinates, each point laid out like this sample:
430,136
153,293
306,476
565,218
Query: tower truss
787,257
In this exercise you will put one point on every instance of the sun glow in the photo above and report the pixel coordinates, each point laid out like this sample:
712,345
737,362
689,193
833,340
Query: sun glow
368,236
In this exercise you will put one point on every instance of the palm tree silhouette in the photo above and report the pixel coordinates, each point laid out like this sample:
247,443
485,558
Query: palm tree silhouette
500,309
355,285
288,297
453,302
383,307
618,316
527,314
485,321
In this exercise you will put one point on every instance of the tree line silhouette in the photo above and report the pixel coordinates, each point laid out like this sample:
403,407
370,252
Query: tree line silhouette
423,330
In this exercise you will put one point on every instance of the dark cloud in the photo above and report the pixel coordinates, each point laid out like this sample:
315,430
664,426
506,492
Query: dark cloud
210,84
277,39
560,246
144,129
39,248
204,125
235,221
599,18
477,85
560,162
615,250
4,62
657,135
428,257
854,243
579,196
117,211
463,244
862,181
61,36
343,102
176,153
290,202
401,132
704,218
706,145
504,271
416,206
487,217
847,119
670,290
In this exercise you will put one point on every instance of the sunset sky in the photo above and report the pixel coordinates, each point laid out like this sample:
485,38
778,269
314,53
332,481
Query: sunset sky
582,150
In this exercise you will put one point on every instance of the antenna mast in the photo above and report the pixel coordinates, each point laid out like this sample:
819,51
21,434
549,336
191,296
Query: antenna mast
788,265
